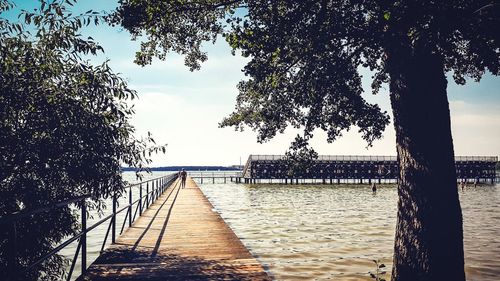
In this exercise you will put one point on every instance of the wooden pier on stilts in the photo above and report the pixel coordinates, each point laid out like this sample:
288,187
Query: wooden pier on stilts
180,237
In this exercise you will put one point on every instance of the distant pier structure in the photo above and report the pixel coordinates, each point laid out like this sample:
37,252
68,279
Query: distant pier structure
330,169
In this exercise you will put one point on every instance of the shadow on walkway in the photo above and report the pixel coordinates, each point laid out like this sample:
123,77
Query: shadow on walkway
126,264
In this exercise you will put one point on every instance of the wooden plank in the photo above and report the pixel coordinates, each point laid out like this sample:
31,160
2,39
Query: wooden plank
179,238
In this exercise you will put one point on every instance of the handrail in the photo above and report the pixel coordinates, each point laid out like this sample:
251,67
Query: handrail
247,165
159,185
214,173
272,157
24,213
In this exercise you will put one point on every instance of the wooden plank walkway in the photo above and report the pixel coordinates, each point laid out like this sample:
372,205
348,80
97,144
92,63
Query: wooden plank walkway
178,238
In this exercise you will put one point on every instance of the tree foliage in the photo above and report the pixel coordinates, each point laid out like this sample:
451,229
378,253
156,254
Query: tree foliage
64,128
305,70
306,56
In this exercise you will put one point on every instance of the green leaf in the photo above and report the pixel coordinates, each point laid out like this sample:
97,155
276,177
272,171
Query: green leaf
387,15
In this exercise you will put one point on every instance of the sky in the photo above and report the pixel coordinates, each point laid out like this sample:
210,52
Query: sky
183,109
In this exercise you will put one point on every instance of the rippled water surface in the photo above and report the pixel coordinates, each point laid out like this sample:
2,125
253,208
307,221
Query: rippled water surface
334,232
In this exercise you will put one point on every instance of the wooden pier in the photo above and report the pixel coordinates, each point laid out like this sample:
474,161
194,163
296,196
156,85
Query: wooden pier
211,176
179,237
330,169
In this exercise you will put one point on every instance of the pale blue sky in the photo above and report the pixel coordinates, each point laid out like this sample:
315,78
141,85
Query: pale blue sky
183,108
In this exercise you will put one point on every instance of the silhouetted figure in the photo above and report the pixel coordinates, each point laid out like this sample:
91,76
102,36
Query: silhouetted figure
476,181
374,187
462,184
183,178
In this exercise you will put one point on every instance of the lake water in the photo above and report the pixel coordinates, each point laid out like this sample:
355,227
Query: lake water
329,232
334,232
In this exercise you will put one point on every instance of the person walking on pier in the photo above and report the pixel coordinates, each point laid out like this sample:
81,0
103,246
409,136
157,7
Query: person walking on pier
183,178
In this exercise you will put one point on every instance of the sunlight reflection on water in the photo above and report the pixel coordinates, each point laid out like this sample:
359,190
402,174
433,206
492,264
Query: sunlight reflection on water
334,232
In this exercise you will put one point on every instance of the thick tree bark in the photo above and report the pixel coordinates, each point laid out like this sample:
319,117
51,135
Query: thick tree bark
429,235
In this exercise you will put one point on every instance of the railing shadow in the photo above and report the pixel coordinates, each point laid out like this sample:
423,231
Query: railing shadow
123,263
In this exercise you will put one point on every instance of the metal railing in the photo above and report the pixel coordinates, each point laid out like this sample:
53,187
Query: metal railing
477,158
246,173
212,174
157,185
327,158
363,158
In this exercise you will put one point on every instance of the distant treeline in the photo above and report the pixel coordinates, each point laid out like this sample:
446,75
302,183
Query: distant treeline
187,168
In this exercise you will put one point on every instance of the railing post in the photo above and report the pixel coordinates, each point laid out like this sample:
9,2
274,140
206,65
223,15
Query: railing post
12,262
153,183
147,194
140,199
130,207
113,225
155,188
83,239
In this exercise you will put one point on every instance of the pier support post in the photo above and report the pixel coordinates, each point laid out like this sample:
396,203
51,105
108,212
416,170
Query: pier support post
130,207
140,199
113,225
83,238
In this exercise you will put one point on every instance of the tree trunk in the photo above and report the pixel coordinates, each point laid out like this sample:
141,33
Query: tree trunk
429,235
